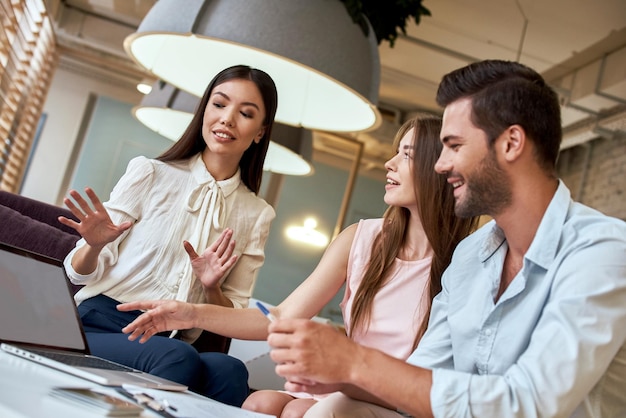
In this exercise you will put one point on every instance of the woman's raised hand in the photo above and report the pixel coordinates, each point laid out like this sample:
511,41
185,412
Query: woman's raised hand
94,224
210,266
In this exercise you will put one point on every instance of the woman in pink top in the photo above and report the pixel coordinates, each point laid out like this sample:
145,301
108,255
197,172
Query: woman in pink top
392,268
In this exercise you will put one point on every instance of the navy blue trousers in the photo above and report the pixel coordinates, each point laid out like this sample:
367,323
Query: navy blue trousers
215,375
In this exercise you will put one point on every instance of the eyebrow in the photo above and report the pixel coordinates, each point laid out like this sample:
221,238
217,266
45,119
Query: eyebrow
448,138
228,98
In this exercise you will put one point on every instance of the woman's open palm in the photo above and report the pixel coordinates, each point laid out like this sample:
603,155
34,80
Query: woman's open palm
210,266
94,223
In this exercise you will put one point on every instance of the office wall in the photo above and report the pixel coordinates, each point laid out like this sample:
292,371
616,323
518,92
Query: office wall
112,138
65,107
595,173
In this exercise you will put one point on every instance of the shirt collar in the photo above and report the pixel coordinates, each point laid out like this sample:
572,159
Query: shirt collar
203,177
544,246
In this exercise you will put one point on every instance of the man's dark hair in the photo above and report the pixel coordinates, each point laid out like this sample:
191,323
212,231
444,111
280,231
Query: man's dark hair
505,93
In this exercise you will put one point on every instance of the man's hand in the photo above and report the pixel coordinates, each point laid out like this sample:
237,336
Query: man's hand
316,358
215,261
160,315
94,224
311,356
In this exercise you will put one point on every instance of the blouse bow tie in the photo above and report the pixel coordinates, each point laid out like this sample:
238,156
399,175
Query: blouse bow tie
209,199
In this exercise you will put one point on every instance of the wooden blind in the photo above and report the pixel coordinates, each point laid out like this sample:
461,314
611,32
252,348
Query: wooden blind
27,60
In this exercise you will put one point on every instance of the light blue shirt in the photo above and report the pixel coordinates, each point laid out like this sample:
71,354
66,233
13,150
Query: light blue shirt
554,343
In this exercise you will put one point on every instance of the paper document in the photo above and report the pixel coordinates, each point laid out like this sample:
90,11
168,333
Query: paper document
191,405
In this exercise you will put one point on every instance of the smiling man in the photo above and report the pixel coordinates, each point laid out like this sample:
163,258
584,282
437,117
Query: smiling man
531,320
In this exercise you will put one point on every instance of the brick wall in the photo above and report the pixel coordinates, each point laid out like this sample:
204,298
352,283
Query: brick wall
595,173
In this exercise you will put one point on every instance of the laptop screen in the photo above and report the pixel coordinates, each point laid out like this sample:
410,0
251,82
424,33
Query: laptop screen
36,306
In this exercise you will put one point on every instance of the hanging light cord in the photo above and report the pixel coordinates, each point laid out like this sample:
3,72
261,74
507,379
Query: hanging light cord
523,37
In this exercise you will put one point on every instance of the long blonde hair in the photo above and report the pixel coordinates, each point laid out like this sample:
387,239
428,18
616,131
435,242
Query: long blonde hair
435,203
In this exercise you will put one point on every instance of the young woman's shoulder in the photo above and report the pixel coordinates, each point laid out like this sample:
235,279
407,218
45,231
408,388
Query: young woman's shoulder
138,170
251,202
141,163
370,226
364,229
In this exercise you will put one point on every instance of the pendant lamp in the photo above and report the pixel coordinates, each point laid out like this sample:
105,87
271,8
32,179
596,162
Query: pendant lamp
326,69
168,110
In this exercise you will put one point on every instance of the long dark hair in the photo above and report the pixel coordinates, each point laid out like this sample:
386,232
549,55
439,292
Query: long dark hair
435,204
251,164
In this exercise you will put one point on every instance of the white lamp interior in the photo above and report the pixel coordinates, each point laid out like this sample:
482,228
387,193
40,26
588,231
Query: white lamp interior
325,66
305,97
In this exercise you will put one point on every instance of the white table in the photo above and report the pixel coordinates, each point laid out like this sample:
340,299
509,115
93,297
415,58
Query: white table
24,388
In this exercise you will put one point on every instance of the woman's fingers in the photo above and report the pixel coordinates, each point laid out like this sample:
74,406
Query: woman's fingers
72,207
225,241
139,305
221,244
82,203
190,250
142,327
95,201
68,222
80,207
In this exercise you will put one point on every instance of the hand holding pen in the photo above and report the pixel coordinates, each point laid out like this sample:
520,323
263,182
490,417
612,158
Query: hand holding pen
266,311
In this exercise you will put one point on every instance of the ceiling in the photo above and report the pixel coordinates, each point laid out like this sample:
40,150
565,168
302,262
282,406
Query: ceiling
578,45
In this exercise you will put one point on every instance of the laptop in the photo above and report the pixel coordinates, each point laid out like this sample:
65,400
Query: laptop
39,321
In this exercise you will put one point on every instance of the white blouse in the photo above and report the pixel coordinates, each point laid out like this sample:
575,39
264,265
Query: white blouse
169,203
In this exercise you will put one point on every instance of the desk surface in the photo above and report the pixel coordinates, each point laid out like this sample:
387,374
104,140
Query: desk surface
24,388
25,393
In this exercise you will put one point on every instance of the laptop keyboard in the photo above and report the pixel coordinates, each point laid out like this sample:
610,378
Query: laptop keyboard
81,360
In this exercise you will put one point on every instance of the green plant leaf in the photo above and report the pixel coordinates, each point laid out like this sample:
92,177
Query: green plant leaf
386,17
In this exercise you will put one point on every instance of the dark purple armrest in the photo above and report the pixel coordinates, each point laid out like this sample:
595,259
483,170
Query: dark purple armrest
33,225
37,210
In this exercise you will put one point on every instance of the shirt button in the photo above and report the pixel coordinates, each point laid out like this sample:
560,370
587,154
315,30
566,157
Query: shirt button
487,332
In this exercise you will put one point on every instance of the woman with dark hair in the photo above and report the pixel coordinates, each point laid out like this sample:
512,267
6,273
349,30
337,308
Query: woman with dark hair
391,267
199,195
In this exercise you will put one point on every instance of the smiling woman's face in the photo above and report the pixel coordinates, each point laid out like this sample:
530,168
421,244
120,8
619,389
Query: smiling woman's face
400,189
233,117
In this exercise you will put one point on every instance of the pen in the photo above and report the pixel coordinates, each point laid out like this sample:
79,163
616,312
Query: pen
149,402
266,311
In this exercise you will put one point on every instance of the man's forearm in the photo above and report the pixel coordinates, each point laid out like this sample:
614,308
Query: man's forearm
357,393
399,384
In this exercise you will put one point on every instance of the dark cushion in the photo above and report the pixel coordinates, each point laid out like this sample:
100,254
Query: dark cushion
37,210
24,232
34,226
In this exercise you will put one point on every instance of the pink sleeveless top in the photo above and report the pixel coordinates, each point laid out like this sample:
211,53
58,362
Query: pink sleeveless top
399,305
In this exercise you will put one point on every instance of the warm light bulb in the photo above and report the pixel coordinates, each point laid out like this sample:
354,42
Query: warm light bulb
307,234
144,87
310,223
